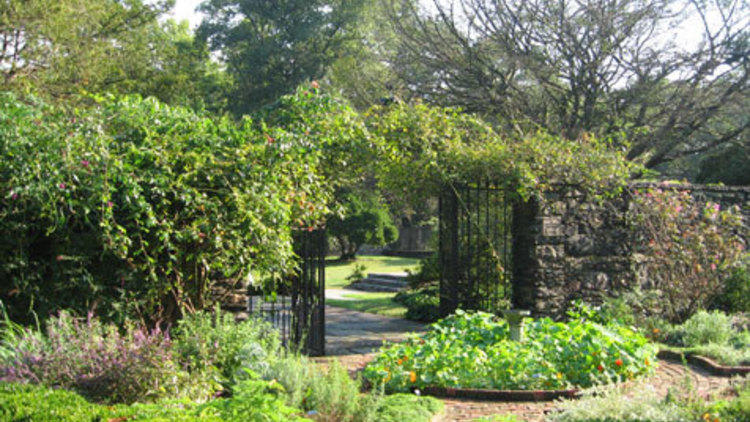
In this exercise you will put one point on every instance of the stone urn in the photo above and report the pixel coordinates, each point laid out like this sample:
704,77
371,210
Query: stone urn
515,321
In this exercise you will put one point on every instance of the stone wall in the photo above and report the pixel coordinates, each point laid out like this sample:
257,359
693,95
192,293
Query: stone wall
568,246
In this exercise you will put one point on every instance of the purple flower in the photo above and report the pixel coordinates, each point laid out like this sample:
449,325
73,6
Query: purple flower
61,185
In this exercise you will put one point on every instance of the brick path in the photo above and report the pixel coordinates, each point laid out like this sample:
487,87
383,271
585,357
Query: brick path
668,374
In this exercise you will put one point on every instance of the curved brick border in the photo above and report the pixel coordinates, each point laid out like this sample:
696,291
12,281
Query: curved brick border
704,362
500,395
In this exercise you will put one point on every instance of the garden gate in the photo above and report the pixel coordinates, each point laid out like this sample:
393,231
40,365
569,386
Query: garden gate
297,307
474,249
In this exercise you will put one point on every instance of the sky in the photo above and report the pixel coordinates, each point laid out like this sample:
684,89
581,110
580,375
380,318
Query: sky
185,10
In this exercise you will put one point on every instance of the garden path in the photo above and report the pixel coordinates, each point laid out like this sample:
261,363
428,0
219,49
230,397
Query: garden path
351,332
668,374
341,294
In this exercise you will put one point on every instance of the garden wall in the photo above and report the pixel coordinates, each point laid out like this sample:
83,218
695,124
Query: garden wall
568,246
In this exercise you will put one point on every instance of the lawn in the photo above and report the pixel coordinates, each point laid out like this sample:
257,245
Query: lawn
375,303
336,272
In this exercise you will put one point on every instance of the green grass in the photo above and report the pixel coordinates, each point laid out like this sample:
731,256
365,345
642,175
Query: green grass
374,303
336,272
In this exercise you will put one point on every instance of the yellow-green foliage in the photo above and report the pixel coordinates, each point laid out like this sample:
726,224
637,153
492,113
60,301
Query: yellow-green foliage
425,147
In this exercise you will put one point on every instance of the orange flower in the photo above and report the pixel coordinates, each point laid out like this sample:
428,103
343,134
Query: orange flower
600,368
656,331
618,362
646,362
412,376
399,362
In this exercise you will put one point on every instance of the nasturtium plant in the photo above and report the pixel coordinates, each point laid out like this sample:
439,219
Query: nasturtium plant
129,206
474,350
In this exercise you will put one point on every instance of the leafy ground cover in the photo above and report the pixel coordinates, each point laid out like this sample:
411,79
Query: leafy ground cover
710,334
422,303
473,350
337,271
381,303
38,403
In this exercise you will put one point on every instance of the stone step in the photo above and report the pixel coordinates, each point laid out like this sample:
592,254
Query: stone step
374,287
389,276
386,282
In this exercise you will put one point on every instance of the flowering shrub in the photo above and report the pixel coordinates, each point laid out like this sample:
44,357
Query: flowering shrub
691,248
134,207
475,351
99,361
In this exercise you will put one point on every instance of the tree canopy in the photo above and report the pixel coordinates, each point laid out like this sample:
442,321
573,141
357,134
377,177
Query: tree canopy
63,48
270,48
609,68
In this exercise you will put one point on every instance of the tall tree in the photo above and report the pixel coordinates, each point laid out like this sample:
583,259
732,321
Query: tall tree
612,67
60,48
364,72
271,47
68,45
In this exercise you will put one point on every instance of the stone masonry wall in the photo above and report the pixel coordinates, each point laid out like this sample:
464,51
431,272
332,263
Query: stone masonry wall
570,247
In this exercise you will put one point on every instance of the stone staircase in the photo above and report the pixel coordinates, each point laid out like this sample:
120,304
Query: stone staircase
382,282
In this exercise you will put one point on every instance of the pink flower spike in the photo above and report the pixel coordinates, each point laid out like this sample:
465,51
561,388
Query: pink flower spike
109,204
85,163
713,267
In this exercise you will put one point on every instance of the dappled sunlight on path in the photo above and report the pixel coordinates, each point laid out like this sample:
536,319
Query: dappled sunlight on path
352,332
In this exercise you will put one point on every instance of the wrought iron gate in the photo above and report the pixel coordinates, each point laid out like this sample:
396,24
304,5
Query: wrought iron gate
474,248
297,307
